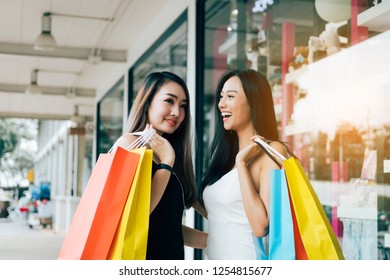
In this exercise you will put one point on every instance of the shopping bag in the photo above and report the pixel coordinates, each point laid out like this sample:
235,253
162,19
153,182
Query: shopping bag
317,235
281,241
315,232
130,241
300,252
97,215
281,229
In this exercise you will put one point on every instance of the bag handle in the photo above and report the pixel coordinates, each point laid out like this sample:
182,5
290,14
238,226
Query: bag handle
141,141
277,157
144,137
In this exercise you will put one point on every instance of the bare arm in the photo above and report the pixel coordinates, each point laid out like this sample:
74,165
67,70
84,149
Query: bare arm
164,153
194,238
124,141
200,209
256,203
159,184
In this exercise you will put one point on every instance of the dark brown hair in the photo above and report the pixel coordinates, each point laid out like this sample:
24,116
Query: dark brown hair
180,139
224,146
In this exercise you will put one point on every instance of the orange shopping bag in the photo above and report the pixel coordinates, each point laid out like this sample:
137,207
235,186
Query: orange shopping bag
98,213
131,238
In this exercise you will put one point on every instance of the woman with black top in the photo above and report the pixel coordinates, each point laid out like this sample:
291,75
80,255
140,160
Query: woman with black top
162,103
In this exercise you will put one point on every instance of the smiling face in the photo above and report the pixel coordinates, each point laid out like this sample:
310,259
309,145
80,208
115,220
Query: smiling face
168,108
234,106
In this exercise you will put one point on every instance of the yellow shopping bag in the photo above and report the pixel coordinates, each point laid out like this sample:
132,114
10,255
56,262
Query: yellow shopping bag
317,235
131,237
315,232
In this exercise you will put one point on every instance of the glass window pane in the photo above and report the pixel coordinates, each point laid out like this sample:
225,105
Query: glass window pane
333,77
110,118
169,53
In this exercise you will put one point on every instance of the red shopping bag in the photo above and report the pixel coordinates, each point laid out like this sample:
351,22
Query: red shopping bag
97,216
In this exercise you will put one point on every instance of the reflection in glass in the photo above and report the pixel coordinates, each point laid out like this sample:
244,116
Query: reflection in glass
169,53
339,126
110,116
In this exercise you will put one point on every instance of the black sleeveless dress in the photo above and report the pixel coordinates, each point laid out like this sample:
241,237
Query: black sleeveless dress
165,238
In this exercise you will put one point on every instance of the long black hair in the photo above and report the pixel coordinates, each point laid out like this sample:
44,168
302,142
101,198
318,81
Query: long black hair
180,139
224,146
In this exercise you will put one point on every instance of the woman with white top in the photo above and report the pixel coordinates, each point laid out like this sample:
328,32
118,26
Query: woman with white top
236,183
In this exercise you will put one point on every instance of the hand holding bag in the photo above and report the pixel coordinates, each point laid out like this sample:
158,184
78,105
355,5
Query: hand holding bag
281,244
98,214
315,232
91,231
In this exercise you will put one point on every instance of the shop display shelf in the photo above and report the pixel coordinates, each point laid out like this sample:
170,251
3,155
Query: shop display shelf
386,166
293,76
363,213
293,129
376,18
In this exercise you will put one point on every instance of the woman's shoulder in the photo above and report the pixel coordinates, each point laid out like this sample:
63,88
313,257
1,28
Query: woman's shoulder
280,147
125,140
266,162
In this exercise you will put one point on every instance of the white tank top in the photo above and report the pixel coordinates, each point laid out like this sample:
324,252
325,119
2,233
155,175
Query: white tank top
230,235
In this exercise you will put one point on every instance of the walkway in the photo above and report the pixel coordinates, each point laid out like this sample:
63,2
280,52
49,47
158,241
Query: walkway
19,242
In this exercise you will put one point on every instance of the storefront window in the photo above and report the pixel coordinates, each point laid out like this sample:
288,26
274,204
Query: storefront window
168,53
109,118
328,66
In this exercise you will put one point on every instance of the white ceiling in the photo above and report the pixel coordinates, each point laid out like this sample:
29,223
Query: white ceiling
69,65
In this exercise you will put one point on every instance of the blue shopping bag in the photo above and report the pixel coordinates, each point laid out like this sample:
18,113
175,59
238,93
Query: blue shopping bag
281,228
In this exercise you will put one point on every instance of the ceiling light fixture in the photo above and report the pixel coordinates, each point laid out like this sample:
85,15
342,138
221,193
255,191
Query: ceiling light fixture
71,93
45,41
33,87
